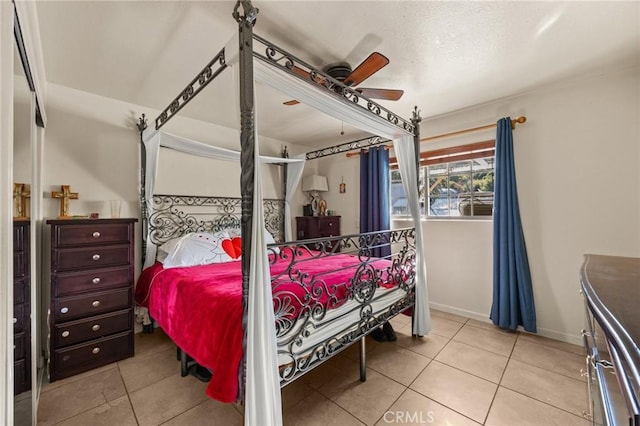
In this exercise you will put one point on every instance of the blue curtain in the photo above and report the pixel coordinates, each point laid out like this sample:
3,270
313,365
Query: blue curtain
374,194
512,292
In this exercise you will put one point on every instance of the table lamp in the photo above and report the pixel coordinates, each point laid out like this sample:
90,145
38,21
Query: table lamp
315,184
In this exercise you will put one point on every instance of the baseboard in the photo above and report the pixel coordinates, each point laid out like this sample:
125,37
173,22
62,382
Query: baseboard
559,335
575,339
462,312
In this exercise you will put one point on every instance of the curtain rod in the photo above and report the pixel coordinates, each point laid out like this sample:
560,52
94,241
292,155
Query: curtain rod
520,120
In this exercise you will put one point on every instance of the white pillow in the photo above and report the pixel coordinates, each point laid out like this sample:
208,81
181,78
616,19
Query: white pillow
200,248
270,240
169,246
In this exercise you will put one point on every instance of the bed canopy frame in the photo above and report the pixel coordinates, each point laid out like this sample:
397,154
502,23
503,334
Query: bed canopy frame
256,56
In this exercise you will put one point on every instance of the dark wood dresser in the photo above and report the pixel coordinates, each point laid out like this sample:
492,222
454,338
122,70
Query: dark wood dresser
611,288
91,319
310,227
21,307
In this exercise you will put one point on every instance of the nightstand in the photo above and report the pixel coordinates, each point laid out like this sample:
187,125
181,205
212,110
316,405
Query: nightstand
308,227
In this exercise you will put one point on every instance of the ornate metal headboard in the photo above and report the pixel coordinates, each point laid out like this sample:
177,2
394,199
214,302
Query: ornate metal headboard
176,215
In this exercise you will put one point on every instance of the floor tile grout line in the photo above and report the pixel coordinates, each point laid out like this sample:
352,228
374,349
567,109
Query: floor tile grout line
451,339
126,389
486,417
75,378
149,384
520,393
440,403
387,410
84,411
549,370
531,339
331,401
543,402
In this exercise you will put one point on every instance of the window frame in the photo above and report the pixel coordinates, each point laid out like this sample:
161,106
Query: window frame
471,151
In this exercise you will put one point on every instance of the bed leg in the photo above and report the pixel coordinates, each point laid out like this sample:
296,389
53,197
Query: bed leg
184,368
363,360
148,328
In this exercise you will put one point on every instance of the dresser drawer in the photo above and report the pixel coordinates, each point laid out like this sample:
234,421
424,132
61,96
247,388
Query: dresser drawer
78,358
90,257
72,332
18,317
65,284
20,236
21,378
100,233
19,264
328,226
19,348
20,290
69,308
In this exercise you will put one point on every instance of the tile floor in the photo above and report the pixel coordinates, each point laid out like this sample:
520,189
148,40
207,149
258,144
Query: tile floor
465,373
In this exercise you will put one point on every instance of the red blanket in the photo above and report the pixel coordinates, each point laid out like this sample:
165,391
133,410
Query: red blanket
200,307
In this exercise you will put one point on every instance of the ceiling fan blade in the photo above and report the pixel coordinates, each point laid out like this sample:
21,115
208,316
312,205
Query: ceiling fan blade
387,94
302,73
366,69
292,102
306,74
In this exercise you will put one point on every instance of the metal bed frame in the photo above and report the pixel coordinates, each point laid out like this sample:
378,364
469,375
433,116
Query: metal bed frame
253,46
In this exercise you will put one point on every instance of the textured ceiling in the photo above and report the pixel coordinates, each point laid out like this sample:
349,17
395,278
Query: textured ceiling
444,55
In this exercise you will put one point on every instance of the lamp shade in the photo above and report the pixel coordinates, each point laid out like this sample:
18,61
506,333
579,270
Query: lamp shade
315,183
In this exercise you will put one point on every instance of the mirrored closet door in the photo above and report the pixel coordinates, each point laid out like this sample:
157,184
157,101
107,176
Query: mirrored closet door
28,123
22,259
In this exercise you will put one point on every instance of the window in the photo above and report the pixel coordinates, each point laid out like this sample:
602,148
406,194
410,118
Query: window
453,182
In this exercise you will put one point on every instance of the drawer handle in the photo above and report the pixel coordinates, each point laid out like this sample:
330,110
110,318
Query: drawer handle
96,257
15,320
96,234
95,303
330,224
65,333
95,327
64,310
95,350
96,280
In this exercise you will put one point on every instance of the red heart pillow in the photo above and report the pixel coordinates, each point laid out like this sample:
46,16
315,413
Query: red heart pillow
233,247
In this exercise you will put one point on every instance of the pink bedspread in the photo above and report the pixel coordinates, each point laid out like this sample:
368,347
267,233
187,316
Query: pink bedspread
200,307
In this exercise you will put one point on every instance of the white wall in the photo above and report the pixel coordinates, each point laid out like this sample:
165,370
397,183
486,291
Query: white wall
578,171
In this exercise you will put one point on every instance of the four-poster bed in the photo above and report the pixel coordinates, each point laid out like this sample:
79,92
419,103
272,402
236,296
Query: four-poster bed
323,300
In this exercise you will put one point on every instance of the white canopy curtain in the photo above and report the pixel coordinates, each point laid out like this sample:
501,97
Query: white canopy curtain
153,140
406,164
294,174
262,404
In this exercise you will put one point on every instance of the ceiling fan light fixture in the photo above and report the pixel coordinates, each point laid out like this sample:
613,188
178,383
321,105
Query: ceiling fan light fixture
339,71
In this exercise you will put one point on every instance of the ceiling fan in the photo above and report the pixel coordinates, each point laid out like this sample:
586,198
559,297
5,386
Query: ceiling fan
342,72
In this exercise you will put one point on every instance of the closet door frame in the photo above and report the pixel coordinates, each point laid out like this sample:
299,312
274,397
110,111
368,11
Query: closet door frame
19,27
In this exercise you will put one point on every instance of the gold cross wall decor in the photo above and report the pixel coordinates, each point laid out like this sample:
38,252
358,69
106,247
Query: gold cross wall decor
21,192
64,195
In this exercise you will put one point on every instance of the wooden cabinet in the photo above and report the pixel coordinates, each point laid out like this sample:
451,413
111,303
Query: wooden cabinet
21,307
308,227
91,318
